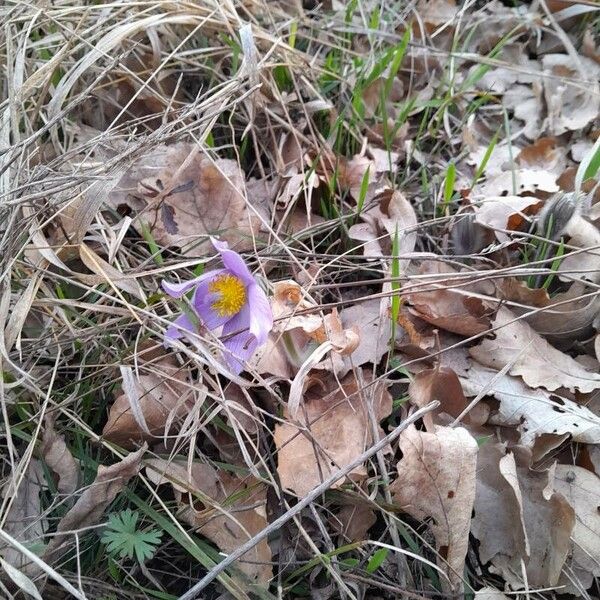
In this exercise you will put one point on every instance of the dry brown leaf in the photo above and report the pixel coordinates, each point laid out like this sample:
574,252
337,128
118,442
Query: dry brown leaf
148,402
392,213
92,503
532,357
490,593
442,384
298,220
572,101
295,335
544,154
57,456
338,431
581,488
448,304
182,206
272,358
374,330
436,478
25,521
350,173
498,519
240,409
568,316
583,264
204,497
138,89
535,412
502,213
436,12
511,288
353,521
547,517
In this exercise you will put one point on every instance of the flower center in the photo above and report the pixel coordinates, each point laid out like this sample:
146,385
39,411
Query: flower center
232,295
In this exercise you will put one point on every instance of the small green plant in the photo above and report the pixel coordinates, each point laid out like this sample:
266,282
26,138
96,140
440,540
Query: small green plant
124,540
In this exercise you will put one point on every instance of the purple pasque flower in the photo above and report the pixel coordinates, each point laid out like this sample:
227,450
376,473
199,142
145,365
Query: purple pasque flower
229,298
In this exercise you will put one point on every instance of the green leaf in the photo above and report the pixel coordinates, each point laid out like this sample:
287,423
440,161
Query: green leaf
449,183
589,166
395,277
122,538
377,559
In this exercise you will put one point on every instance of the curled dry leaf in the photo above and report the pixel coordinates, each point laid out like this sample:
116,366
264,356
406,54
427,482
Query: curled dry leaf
447,303
581,488
159,395
296,336
581,264
568,315
503,536
511,288
436,479
183,196
531,357
502,213
520,519
373,327
92,503
535,412
225,509
391,213
335,428
57,456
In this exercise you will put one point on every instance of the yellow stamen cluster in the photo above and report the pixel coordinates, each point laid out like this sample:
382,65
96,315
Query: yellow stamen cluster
232,295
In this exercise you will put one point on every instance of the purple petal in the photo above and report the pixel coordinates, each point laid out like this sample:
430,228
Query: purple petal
233,261
261,316
241,345
176,290
178,327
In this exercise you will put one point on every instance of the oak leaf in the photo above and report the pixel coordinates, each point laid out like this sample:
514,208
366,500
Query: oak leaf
534,411
526,354
581,488
436,479
334,429
149,401
521,519
445,300
225,509
182,196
